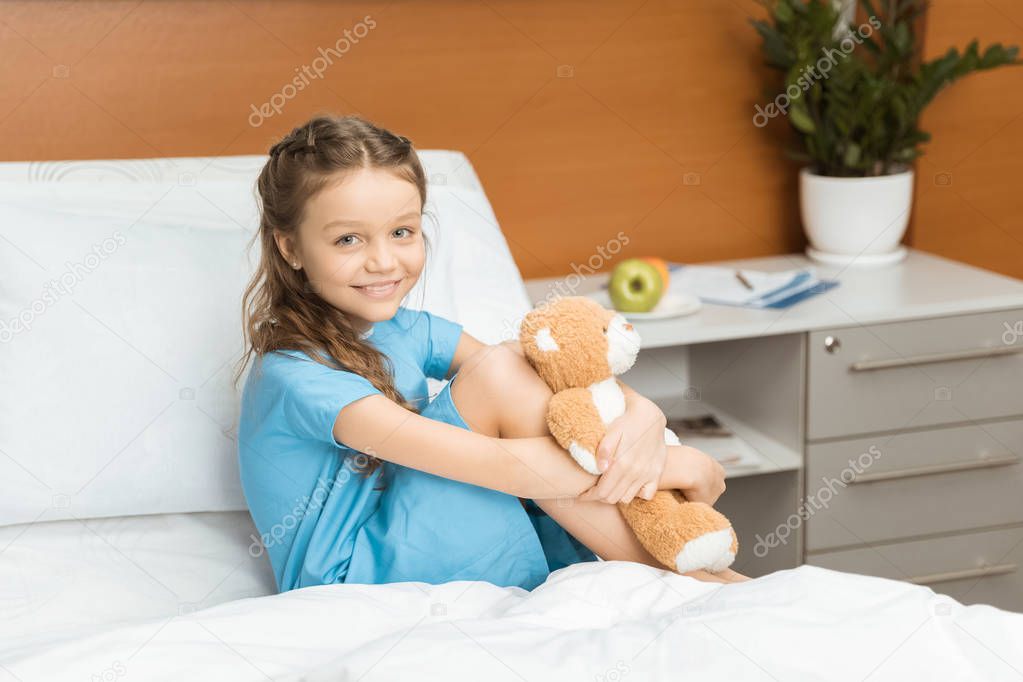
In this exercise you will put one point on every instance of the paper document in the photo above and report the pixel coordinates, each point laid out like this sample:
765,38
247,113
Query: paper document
728,286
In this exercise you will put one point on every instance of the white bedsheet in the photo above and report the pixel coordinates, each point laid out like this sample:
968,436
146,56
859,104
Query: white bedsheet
594,621
61,579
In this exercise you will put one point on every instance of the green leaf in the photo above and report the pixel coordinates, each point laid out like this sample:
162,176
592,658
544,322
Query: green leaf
801,119
871,11
851,158
862,116
783,13
901,37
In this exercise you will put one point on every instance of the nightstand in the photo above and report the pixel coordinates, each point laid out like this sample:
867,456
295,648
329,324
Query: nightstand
885,416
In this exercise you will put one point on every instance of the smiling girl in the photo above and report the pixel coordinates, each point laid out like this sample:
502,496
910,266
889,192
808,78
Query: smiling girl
351,473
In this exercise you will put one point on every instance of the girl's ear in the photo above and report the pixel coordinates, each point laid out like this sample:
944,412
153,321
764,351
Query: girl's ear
285,245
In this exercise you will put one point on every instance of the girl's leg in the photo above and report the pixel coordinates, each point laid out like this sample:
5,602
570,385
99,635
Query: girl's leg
498,393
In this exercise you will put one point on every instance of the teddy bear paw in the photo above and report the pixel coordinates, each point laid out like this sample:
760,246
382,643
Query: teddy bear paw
584,458
711,552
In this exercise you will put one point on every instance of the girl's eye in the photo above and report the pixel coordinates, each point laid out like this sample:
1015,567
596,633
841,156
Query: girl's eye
349,239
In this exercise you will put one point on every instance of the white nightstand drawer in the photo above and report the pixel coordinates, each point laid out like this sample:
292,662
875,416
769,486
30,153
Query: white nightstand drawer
972,568
886,377
893,486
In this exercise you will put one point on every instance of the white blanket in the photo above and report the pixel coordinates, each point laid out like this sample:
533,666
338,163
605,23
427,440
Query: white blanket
612,621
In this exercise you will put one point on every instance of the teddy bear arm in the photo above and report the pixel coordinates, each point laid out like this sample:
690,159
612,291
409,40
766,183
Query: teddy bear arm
575,423
684,536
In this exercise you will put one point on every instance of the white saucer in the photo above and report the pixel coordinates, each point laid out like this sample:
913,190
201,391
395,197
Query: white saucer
671,305
866,260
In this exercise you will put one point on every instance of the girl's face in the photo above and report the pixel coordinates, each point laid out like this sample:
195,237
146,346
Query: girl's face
361,244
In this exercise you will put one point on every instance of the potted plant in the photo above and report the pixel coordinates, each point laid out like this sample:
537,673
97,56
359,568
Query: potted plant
854,95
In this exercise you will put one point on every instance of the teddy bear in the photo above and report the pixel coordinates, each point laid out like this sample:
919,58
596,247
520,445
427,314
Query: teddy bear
578,347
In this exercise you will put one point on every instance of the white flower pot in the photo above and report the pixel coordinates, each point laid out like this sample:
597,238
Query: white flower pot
855,221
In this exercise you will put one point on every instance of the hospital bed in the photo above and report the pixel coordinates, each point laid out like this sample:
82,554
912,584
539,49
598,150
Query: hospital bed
125,546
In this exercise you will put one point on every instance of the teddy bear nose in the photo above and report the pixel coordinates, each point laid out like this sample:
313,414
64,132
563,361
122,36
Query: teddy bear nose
628,327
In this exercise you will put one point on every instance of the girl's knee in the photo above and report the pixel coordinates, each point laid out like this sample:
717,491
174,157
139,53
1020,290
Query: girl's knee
499,366
496,388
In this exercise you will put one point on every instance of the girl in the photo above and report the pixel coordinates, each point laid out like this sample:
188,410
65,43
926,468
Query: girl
350,474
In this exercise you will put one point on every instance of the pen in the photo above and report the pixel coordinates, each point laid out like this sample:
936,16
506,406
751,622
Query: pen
745,282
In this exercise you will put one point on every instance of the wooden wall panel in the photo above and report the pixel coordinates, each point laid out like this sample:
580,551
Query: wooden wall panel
969,195
584,119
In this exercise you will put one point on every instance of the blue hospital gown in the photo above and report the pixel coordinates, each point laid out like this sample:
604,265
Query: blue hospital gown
321,521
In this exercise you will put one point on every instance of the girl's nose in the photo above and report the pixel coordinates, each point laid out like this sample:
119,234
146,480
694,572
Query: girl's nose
381,259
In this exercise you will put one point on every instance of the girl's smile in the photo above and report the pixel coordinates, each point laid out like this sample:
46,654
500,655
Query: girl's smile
384,289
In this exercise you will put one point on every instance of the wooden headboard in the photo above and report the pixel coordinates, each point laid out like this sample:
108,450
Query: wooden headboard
583,119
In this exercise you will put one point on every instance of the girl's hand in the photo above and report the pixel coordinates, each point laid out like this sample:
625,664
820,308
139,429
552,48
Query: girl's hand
701,477
634,452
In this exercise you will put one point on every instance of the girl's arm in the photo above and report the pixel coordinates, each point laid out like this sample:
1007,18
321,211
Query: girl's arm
524,467
534,468
467,345
631,396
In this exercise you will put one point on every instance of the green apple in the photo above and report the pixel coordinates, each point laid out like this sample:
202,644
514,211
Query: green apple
635,287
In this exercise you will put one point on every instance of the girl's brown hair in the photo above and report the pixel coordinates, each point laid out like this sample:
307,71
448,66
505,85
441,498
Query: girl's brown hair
280,308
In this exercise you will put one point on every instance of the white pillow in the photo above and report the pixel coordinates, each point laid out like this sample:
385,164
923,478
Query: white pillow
489,292
117,396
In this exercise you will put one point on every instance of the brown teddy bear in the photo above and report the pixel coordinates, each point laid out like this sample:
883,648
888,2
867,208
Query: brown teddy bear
577,346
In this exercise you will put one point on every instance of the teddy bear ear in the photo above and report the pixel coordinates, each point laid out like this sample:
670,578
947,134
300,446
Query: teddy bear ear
545,340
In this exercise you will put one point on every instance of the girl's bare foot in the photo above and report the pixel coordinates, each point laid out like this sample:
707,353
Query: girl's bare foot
731,576
705,576
725,576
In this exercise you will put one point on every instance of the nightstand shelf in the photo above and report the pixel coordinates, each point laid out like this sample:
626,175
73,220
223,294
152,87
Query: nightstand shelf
767,455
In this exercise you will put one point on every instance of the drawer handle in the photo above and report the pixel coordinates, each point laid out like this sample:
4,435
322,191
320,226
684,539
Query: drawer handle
1008,460
868,365
981,572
